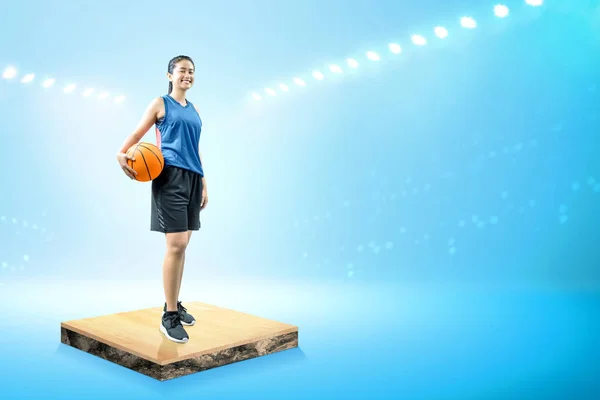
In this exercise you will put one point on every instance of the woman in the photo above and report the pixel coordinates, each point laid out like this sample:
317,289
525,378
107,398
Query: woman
179,192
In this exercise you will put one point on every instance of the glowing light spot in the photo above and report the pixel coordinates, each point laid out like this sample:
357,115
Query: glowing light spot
501,11
9,73
441,32
48,82
70,88
27,78
468,22
535,3
352,63
395,48
418,40
371,55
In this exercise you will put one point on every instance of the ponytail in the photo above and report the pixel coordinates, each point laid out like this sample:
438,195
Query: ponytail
170,87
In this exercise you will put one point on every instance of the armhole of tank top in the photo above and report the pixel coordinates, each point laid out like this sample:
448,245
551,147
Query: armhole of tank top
195,110
160,121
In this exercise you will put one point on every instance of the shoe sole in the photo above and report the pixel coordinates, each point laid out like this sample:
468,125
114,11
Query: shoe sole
182,323
164,331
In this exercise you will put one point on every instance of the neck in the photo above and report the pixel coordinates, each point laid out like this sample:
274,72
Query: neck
178,95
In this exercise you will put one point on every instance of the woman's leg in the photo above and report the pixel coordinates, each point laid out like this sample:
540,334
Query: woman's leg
180,278
173,267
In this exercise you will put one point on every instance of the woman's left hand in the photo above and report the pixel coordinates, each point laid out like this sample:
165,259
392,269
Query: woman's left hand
204,200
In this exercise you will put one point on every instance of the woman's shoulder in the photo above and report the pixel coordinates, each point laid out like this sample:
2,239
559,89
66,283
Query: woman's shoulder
158,106
158,101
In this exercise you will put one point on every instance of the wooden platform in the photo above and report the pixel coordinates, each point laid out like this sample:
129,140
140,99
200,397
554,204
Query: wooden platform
219,337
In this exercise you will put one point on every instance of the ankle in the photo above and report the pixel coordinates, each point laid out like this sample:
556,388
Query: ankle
172,308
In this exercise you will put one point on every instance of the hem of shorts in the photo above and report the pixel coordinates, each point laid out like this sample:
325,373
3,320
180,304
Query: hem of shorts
176,230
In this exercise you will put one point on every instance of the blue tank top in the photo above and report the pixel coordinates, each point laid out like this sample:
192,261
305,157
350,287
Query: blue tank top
178,135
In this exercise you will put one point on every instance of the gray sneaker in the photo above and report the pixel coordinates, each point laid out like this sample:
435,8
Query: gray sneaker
186,318
171,327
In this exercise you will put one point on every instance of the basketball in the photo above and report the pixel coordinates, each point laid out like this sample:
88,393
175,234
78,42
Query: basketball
148,162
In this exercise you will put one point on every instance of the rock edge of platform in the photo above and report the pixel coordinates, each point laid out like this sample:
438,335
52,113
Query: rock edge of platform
180,368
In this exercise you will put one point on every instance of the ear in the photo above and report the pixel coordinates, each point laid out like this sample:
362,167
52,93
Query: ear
169,76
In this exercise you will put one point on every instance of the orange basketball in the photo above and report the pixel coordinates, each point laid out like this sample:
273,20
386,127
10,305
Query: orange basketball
148,162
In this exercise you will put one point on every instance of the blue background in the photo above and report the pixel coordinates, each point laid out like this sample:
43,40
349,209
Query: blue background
429,221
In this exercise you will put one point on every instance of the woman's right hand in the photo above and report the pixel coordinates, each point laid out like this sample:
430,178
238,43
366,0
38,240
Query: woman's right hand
122,158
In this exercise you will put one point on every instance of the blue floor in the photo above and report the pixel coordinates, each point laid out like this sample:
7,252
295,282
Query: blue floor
425,343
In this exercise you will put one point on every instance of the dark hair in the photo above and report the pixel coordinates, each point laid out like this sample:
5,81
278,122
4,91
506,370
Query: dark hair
171,67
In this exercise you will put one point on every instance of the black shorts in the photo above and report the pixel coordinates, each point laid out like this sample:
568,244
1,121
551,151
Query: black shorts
176,197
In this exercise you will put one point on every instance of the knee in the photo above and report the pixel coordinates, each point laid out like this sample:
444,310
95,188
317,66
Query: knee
177,246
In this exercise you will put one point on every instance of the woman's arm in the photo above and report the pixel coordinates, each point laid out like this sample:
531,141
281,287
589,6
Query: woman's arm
148,119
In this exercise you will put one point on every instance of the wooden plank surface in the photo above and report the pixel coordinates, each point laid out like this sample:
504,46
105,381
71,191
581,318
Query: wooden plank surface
216,328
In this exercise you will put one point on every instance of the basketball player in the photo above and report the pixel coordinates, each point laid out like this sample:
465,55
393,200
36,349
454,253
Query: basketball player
179,192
